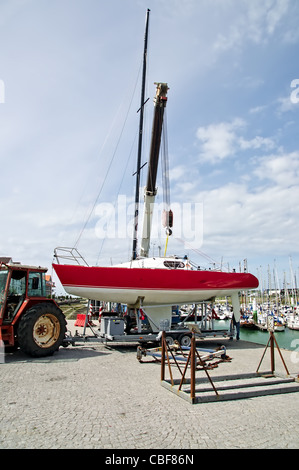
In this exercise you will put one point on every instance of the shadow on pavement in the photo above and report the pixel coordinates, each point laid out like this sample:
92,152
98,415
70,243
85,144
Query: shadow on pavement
62,355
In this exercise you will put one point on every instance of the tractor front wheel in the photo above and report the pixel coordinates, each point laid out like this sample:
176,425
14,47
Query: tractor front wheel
41,330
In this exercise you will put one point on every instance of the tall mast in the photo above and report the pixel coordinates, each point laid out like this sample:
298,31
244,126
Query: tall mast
134,253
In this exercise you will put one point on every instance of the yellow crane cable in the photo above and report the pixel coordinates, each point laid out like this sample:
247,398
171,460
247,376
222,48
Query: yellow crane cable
166,245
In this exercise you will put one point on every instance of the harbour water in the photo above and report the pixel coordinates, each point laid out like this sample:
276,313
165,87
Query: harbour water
287,339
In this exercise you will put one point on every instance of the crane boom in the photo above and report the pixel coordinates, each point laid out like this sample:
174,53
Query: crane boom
150,190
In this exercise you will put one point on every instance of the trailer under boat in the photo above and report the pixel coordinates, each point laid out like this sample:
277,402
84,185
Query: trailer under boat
113,328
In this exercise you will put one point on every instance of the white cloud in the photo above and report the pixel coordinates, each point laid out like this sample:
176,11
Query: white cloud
258,109
283,169
177,172
275,14
238,220
280,105
254,21
256,143
222,140
285,104
218,141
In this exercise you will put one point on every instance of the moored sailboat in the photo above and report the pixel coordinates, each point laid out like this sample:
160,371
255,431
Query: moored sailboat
293,323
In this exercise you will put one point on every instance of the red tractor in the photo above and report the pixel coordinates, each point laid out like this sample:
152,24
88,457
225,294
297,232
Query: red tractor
28,319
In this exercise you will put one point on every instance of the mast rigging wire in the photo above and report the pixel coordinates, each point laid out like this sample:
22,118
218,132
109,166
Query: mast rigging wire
200,253
110,164
120,185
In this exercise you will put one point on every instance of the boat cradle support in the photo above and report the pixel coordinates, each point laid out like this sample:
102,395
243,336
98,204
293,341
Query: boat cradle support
220,388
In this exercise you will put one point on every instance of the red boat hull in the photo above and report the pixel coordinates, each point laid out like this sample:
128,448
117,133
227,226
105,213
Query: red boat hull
155,286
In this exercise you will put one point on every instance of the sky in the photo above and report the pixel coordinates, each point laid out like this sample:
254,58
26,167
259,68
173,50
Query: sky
70,78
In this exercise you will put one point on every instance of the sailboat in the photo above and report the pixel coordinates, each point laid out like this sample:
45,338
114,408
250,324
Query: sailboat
154,284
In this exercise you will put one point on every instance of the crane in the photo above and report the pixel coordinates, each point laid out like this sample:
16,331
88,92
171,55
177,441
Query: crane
150,190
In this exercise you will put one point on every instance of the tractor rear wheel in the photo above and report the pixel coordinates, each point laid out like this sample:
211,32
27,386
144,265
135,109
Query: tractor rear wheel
41,330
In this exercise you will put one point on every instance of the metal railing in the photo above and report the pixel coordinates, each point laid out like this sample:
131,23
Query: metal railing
71,255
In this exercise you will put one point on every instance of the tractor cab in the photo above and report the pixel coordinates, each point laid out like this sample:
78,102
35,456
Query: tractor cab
27,317
18,283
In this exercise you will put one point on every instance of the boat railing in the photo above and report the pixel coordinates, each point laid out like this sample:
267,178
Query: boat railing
196,267
71,255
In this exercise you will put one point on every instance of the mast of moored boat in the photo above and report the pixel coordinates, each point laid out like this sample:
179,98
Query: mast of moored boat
141,110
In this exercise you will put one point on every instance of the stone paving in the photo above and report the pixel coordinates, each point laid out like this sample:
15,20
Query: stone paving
95,397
